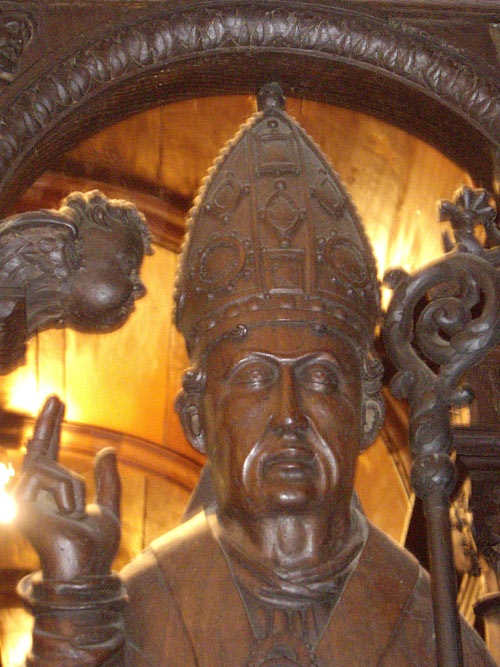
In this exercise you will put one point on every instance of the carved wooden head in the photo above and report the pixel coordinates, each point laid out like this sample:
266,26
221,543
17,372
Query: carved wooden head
275,245
110,243
77,266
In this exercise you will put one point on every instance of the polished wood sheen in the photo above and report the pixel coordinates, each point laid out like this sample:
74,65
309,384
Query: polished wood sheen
277,300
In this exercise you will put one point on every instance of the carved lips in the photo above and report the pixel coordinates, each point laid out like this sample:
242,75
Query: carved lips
291,463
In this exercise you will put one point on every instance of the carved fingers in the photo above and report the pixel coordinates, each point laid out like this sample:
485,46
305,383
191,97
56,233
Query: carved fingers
45,441
72,540
52,487
44,481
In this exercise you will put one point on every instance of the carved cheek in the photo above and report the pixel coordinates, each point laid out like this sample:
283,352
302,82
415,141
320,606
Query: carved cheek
337,420
242,429
99,291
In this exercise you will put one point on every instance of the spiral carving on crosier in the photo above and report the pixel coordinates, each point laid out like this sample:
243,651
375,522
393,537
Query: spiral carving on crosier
442,320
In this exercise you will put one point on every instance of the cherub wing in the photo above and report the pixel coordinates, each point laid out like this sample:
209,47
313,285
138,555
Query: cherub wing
36,259
32,245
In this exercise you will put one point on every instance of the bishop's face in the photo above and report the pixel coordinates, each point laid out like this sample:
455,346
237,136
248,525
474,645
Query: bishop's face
282,421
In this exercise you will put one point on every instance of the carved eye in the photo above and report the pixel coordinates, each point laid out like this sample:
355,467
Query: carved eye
99,214
129,262
253,375
320,376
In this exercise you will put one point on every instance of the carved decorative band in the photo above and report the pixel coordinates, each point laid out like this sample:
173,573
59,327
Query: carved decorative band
167,36
16,32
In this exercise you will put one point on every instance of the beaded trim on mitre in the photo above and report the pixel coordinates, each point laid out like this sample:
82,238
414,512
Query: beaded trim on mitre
274,237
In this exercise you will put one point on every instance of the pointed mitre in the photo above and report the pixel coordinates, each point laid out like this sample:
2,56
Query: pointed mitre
274,238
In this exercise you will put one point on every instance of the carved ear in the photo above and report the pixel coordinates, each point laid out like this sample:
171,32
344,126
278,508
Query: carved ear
188,407
373,418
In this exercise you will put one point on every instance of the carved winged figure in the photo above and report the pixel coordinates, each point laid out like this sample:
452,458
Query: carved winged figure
77,267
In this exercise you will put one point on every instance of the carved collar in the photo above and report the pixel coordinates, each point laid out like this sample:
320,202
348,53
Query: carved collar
297,604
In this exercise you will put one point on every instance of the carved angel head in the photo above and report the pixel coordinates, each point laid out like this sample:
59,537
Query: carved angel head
77,267
110,243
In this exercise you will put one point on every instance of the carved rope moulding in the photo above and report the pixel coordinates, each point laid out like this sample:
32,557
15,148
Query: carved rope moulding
163,38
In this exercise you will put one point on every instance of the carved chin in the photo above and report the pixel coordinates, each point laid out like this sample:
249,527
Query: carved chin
96,304
89,322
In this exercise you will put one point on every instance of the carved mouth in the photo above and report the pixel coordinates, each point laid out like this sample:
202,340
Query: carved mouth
291,463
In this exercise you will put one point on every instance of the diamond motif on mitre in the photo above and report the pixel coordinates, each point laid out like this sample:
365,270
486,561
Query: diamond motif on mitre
282,213
285,244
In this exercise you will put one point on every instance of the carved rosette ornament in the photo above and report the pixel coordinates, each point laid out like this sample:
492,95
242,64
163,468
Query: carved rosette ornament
282,650
16,32
274,236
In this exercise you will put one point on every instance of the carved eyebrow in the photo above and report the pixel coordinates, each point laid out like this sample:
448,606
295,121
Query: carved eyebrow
321,357
251,358
276,361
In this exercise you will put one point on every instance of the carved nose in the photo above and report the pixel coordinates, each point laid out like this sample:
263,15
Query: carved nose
288,415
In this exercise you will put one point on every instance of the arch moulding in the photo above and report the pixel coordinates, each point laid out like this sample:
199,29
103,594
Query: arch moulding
158,54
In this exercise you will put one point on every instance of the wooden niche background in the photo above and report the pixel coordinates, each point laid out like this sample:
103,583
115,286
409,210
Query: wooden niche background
120,387
77,66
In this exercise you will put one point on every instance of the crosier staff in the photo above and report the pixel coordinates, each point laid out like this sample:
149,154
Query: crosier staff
451,335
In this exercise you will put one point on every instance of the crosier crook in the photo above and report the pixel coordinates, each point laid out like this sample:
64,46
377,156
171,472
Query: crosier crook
453,337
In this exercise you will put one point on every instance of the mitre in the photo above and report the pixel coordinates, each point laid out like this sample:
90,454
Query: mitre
274,237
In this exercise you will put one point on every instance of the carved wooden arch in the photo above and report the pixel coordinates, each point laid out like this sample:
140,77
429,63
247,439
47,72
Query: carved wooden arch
160,54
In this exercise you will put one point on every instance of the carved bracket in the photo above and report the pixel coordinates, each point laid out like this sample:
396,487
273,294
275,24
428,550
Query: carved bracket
16,32
76,267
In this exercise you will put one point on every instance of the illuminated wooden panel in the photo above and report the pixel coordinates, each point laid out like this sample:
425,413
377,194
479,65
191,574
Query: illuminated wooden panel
381,492
394,179
149,457
15,635
20,391
173,145
119,380
16,553
51,362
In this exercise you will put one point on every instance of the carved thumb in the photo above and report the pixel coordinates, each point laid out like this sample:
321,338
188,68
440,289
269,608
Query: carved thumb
107,481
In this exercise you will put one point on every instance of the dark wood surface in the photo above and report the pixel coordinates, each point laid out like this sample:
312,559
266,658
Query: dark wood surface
110,61
75,68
